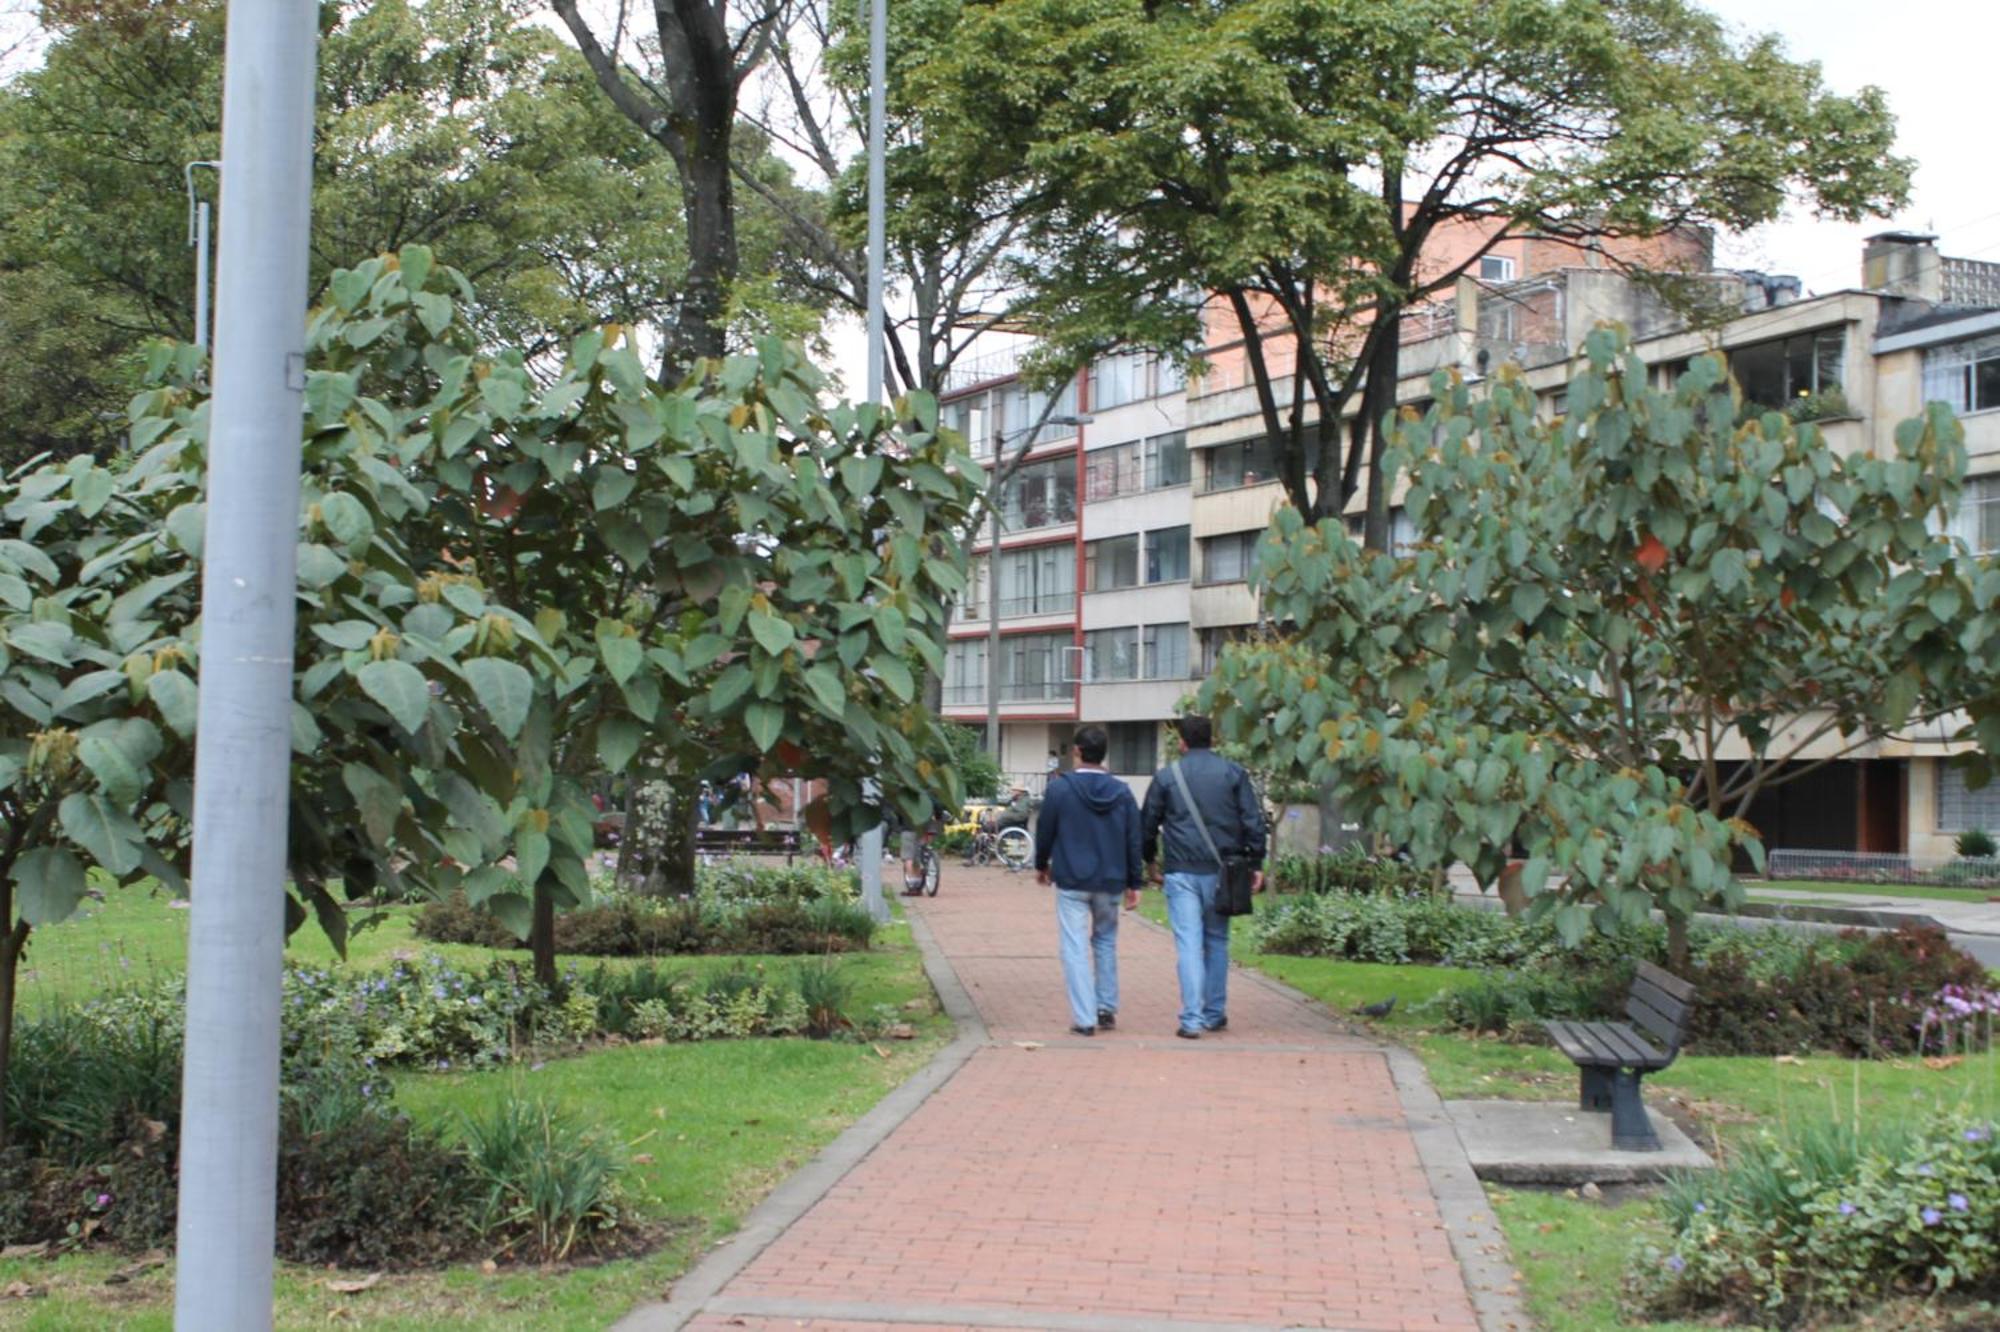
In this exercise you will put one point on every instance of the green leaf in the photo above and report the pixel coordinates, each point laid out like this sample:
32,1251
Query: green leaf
347,519
401,690
513,910
621,655
504,689
122,779
531,855
502,394
829,689
378,798
618,739
766,722
1529,600
415,263
892,625
52,883
91,490
612,487
177,699
105,831
772,632
893,673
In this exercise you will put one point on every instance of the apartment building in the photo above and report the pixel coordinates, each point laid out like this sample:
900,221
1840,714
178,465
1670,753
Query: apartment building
1175,484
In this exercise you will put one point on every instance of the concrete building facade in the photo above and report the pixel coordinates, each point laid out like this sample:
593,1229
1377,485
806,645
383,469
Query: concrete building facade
1174,484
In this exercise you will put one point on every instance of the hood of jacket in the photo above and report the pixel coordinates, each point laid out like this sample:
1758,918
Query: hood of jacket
1099,791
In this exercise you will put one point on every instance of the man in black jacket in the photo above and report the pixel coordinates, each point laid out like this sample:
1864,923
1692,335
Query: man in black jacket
1227,804
1087,843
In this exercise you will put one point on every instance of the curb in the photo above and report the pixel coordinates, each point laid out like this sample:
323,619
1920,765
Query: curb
792,1199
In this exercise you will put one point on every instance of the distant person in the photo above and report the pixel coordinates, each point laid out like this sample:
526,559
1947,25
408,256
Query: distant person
1087,845
1226,804
1018,812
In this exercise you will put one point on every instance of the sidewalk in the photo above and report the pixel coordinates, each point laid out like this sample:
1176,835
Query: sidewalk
1285,1173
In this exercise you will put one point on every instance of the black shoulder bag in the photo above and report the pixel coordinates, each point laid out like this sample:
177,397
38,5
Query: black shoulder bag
1233,892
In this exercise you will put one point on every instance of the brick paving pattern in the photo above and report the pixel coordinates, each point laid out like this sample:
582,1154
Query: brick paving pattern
1262,1177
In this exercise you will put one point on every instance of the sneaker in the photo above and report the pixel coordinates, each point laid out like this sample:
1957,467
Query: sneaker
1220,1024
1108,1021
1083,1031
1188,1034
913,892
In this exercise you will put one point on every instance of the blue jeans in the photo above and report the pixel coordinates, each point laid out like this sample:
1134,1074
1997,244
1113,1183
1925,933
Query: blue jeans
1201,946
1089,925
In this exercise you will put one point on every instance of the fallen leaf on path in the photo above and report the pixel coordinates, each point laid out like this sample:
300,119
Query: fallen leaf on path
902,1031
878,1050
20,1290
13,1251
1788,1059
642,1158
1027,1045
369,1282
489,1267
1941,1062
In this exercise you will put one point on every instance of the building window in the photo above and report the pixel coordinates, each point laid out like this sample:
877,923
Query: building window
1167,461
1168,377
977,574
965,671
1960,809
1111,654
1135,748
1213,641
1117,380
1776,374
1041,581
1166,651
1496,268
1229,559
1167,555
1039,495
1036,668
1977,522
1111,563
1021,407
1247,462
1965,376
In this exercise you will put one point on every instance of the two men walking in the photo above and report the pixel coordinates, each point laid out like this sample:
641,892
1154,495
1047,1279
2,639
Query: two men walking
1093,842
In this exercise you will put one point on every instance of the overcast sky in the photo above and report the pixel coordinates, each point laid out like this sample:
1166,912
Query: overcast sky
1925,54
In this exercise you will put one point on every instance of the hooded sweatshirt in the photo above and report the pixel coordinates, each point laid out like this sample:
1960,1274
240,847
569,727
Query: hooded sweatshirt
1088,833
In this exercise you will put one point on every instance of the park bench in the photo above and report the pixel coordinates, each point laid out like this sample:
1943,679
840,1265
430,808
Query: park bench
1613,1056
747,842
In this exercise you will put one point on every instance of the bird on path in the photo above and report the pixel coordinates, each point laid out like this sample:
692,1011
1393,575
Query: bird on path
1376,1010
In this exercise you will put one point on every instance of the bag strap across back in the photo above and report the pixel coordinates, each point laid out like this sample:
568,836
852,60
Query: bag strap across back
1200,824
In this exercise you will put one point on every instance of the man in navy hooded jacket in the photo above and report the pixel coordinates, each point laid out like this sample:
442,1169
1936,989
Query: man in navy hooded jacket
1087,844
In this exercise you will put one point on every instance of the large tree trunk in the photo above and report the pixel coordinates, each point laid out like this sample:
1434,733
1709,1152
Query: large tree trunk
708,208
542,935
1378,397
11,945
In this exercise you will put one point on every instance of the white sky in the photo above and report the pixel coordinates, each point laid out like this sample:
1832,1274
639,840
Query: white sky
1926,55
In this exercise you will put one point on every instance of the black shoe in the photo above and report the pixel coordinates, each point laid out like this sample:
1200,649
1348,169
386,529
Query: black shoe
1188,1034
1083,1031
1220,1024
913,892
1108,1021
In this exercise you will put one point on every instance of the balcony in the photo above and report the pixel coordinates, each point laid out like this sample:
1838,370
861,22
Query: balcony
1026,691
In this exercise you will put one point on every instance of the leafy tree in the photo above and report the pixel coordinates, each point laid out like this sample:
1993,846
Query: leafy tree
458,124
1594,612
1299,161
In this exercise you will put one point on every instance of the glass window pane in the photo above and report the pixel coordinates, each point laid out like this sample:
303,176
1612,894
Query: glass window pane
1985,392
1761,372
1167,555
1111,654
1829,349
1166,652
1167,460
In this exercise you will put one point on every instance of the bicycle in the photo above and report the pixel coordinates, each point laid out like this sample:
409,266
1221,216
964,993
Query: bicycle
1010,848
930,871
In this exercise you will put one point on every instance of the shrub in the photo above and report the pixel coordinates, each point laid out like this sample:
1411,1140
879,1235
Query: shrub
425,1011
1349,870
801,914
82,1078
544,1182
1828,1218
825,991
1975,844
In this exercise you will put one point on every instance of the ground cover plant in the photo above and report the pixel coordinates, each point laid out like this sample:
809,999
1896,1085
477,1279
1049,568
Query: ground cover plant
1760,991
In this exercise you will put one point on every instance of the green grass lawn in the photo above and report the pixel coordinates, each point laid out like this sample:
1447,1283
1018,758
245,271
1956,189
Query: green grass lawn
708,1129
1836,890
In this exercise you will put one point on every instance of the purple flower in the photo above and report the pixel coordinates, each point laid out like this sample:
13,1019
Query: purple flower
1700,1208
1676,1263
367,1089
1926,1170
1931,1216
1958,1202
1977,1135
1847,1209
104,1200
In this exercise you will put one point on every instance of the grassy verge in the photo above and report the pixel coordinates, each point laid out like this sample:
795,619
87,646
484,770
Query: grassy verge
708,1129
1839,889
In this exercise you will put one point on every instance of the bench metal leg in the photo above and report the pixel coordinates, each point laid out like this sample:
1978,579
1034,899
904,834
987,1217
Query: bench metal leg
1595,1095
1631,1130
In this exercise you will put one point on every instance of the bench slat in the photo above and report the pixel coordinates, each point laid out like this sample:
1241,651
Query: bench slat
1606,1045
1665,1030
1673,1010
1673,985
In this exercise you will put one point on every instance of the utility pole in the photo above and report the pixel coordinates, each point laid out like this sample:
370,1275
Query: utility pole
229,1092
878,245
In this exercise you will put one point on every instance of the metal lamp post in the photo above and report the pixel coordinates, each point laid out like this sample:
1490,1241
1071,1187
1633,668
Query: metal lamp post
1027,434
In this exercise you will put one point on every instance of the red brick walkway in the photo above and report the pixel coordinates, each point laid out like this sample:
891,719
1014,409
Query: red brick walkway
1263,1177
